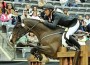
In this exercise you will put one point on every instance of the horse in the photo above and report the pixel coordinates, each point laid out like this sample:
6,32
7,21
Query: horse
50,40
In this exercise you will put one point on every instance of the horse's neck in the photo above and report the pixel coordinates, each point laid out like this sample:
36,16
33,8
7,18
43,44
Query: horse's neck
40,30
41,33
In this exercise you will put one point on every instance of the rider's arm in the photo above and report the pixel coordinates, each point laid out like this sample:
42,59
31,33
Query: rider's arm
53,23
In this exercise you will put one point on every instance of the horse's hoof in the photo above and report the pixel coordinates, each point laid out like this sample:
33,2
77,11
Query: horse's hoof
40,57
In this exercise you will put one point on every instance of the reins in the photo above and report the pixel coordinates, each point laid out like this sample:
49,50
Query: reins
45,36
29,29
50,35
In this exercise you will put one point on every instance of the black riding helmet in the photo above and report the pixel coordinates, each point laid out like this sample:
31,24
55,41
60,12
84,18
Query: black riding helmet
48,6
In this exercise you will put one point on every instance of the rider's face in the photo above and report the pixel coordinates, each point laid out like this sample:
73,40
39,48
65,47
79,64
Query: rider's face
47,12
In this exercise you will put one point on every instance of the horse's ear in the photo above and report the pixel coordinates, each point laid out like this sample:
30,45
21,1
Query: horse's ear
22,21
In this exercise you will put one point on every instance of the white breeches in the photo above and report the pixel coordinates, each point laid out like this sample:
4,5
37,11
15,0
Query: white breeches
72,30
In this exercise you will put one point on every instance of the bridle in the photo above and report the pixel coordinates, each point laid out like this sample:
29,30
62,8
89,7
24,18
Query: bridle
29,29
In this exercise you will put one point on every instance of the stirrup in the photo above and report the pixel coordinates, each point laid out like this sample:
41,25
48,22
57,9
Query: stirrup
71,48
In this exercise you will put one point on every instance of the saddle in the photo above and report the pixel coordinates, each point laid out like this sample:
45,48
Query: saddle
65,44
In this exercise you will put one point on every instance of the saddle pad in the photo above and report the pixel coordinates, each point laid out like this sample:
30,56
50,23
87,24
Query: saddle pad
64,41
81,42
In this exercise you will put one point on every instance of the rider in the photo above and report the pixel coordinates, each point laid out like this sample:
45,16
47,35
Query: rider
52,18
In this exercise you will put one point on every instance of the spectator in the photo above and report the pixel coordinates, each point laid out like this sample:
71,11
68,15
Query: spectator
34,9
72,3
41,3
27,39
82,23
6,21
16,18
4,4
35,15
66,12
22,42
28,8
25,15
87,20
4,17
10,10
32,38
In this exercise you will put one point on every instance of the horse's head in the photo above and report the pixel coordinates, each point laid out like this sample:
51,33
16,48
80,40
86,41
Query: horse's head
21,29
18,31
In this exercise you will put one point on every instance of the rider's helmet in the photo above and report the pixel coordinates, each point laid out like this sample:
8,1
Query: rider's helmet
48,6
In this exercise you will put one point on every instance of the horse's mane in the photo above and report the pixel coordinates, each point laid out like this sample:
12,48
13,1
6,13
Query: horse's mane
42,25
31,19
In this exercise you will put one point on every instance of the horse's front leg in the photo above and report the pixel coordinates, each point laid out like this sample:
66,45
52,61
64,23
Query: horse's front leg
47,50
42,49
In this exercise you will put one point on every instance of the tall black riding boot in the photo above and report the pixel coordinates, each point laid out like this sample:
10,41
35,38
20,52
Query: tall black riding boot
73,41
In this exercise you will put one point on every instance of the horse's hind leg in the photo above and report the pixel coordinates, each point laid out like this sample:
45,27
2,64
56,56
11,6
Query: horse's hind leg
75,60
65,61
38,50
70,61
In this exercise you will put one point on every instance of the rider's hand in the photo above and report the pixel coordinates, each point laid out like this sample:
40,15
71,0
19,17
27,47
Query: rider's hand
41,20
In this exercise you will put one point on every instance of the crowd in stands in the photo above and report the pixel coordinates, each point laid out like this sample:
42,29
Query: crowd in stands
84,21
28,39
9,16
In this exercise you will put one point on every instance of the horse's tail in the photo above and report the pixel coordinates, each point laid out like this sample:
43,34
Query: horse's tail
77,55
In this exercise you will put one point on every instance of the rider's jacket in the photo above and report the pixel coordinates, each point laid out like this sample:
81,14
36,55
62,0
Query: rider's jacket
58,18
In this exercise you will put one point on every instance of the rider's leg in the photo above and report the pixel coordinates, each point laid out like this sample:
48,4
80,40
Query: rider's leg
74,42
69,34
